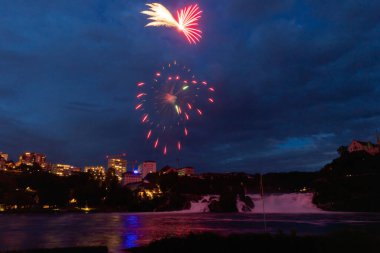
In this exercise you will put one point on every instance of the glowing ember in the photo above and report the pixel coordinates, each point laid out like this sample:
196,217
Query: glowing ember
170,98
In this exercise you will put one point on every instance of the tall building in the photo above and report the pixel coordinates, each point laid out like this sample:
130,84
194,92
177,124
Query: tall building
98,172
147,167
64,170
29,158
131,178
3,160
119,163
3,156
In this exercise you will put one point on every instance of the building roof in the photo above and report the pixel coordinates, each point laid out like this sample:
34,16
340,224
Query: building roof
130,173
365,143
166,168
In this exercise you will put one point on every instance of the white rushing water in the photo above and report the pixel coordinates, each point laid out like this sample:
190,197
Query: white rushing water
285,203
201,206
273,203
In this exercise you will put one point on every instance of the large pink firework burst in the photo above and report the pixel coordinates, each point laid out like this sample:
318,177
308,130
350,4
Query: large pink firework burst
168,103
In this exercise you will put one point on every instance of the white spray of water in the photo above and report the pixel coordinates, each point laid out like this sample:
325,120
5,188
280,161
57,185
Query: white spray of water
274,203
285,203
201,206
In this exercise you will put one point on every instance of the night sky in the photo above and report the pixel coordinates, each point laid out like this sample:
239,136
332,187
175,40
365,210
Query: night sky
294,79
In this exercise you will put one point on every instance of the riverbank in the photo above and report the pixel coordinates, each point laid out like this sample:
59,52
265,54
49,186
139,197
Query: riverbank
349,183
346,241
253,203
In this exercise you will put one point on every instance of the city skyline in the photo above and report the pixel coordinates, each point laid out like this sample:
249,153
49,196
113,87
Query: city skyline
294,80
118,162
42,158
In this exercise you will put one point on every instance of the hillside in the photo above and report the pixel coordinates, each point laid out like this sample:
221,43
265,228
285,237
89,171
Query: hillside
349,183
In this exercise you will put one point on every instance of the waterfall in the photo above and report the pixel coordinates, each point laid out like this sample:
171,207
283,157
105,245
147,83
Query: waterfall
284,203
201,206
274,203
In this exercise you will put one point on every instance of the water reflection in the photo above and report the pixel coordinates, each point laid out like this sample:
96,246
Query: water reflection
119,230
132,225
130,240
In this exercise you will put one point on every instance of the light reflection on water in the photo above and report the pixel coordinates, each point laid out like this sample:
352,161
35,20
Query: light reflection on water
122,230
132,224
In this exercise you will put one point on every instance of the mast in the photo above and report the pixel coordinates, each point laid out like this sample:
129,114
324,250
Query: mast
262,198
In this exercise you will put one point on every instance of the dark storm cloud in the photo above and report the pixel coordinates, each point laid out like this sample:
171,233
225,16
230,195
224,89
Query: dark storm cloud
351,15
294,79
6,93
81,106
18,137
255,10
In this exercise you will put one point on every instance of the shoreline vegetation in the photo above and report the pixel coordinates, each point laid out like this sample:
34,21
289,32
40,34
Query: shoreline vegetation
94,249
342,241
349,183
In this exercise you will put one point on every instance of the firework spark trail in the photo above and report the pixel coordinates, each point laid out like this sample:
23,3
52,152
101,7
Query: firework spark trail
186,22
160,16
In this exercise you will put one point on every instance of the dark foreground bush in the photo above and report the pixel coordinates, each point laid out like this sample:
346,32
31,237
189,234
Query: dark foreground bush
100,249
345,242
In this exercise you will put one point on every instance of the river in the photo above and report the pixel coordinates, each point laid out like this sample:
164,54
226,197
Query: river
124,230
